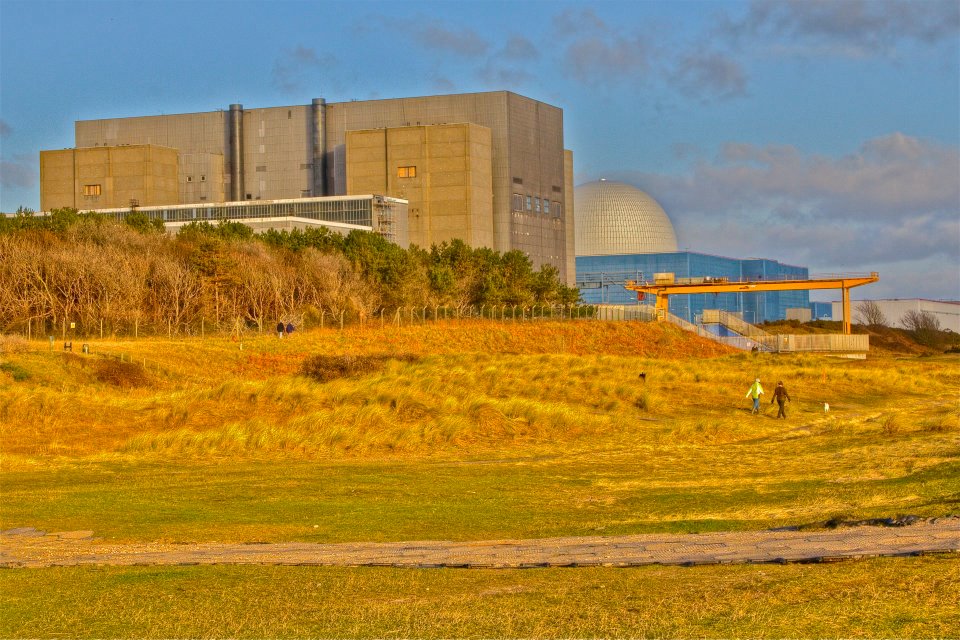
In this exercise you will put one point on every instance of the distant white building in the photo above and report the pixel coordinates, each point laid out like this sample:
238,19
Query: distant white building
946,311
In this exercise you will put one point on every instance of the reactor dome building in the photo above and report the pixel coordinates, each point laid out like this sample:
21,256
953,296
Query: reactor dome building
615,218
624,234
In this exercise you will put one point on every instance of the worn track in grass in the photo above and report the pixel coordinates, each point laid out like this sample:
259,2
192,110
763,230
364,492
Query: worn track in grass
31,548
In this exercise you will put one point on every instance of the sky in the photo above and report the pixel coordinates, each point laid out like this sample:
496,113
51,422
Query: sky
819,133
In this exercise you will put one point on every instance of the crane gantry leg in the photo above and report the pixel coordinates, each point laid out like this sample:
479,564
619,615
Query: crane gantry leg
846,309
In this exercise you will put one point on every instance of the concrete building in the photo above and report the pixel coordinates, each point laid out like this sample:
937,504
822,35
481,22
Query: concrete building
108,177
947,312
439,154
443,169
624,234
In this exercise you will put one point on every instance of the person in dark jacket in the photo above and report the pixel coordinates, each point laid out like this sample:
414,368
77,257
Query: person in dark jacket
781,396
280,329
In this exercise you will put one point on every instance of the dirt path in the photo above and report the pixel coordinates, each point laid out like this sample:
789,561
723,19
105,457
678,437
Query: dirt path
32,548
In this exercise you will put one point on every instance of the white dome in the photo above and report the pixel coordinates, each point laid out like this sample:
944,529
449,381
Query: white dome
614,218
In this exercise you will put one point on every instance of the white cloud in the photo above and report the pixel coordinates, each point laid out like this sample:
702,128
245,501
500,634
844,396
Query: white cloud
893,203
845,28
292,70
709,74
462,41
20,173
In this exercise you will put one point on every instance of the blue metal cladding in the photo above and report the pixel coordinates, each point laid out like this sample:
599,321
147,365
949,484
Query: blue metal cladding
755,307
821,310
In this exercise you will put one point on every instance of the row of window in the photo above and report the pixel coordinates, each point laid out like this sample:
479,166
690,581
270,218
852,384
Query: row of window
535,204
356,212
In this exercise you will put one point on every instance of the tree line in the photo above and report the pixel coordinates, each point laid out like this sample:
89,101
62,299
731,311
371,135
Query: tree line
130,277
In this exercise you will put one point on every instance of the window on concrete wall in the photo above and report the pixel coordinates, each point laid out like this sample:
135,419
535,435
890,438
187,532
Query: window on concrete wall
407,172
517,202
529,203
91,189
536,204
546,206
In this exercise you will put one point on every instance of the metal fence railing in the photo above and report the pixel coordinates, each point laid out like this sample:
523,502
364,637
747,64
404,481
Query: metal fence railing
733,322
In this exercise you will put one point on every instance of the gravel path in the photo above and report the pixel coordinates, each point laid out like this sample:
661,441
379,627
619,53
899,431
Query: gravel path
32,548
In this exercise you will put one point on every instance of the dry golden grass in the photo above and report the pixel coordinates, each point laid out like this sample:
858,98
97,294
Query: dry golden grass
472,387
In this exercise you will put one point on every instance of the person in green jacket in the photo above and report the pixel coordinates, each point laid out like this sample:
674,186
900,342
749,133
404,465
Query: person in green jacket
755,392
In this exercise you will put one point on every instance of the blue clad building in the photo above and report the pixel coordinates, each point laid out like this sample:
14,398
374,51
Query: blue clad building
623,234
600,279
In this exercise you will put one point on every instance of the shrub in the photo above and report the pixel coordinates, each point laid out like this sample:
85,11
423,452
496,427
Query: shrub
13,344
18,373
323,368
126,375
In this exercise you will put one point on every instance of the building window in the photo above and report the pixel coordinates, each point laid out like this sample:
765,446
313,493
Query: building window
536,203
189,178
203,178
91,189
406,172
529,203
546,206
558,209
517,202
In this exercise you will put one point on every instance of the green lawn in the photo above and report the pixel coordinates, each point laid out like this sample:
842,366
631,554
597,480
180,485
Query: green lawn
608,492
880,598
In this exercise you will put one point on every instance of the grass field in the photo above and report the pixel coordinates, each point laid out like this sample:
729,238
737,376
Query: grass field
474,431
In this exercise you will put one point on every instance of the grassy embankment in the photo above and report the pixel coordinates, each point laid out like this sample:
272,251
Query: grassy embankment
485,431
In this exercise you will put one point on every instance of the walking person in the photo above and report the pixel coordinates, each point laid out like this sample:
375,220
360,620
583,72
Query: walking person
755,392
280,329
290,328
780,395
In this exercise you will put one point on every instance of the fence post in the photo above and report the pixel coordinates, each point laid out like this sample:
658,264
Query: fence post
341,320
323,313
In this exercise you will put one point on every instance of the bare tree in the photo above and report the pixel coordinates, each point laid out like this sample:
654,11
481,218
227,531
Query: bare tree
923,325
920,321
869,313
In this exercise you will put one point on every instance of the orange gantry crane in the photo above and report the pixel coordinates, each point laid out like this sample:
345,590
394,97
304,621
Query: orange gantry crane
664,287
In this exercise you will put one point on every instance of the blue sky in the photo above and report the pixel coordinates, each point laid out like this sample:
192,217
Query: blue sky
825,134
